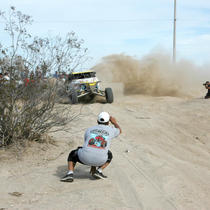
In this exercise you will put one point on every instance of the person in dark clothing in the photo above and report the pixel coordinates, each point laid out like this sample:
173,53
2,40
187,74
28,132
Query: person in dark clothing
207,86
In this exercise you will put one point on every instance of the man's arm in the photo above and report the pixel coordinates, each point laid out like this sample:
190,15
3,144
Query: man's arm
114,122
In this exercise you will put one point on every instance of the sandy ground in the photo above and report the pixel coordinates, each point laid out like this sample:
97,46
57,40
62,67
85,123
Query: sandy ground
161,161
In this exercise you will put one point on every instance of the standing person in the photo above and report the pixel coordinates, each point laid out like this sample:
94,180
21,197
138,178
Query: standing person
207,86
55,75
95,151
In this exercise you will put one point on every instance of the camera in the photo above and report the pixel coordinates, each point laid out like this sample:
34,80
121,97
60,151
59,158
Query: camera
205,83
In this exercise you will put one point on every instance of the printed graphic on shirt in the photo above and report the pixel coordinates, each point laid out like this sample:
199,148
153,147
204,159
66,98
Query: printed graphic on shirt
97,142
99,132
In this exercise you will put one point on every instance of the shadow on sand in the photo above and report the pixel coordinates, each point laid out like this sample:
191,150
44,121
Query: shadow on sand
80,172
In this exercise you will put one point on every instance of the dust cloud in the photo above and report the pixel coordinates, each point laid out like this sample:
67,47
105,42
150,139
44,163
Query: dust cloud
155,75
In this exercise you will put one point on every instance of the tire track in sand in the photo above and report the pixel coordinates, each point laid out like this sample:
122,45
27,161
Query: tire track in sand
138,190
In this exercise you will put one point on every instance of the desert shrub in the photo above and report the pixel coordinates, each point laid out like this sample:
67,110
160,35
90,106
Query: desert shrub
28,107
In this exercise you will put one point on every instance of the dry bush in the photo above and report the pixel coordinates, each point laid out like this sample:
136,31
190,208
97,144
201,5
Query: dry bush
28,106
27,112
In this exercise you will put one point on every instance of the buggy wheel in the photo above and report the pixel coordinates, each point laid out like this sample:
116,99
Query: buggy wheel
109,95
73,97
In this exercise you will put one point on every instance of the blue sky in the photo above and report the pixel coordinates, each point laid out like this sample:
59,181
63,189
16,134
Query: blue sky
132,27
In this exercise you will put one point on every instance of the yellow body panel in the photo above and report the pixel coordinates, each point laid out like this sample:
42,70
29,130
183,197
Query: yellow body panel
82,72
91,84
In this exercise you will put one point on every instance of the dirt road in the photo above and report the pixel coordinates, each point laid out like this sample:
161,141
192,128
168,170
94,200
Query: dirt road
161,161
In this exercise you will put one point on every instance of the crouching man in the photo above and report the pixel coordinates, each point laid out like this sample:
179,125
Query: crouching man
95,151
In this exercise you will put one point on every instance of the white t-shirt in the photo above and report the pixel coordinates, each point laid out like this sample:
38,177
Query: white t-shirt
96,145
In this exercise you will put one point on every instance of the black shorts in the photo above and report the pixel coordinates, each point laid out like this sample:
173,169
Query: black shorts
73,156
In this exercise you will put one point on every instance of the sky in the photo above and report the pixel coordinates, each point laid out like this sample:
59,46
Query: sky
132,27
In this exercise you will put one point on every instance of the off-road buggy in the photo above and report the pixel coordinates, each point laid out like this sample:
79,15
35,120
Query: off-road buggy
86,85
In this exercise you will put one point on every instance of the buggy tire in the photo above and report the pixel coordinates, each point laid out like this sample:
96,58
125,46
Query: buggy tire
109,95
73,97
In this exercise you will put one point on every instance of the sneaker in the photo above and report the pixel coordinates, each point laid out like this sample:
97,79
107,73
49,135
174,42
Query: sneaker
99,175
68,178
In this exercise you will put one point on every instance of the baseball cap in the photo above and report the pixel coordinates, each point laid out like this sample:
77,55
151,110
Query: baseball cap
103,117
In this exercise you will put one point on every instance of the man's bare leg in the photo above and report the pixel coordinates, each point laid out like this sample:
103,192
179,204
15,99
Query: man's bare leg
71,166
92,170
104,165
69,177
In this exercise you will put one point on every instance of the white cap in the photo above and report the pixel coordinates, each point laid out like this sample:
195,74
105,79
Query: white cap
103,117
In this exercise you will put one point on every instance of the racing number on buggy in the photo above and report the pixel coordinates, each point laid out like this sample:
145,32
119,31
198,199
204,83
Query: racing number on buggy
97,142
